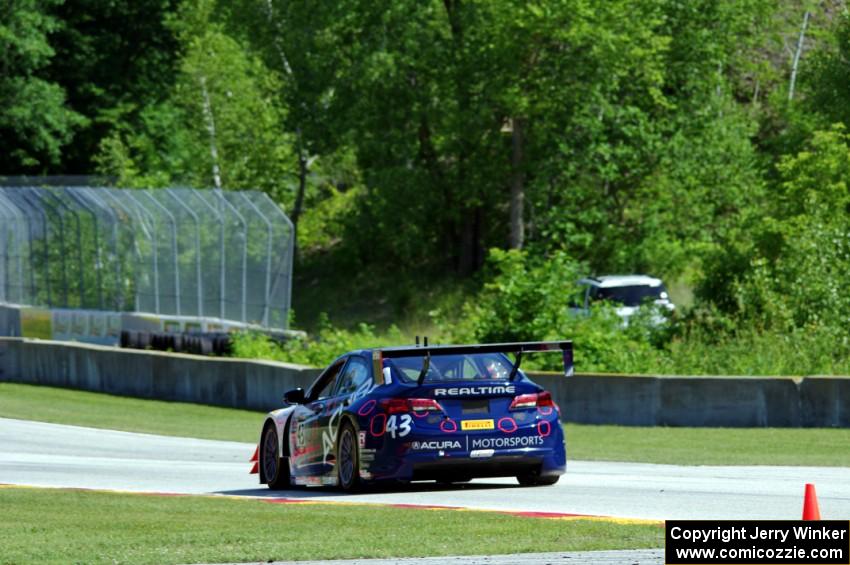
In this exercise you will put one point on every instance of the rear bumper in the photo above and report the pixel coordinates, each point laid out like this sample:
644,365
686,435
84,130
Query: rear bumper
403,464
497,466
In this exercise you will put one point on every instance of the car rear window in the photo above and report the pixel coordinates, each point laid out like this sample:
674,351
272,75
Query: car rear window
633,295
478,366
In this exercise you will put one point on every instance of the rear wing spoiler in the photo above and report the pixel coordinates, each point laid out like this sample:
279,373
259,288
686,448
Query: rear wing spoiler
517,348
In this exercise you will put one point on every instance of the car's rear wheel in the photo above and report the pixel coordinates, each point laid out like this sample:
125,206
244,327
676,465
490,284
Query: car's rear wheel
347,459
533,479
275,468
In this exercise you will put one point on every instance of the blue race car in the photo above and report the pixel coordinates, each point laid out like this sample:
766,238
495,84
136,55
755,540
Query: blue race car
447,413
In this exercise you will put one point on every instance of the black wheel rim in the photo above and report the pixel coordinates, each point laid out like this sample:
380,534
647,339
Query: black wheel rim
270,455
346,458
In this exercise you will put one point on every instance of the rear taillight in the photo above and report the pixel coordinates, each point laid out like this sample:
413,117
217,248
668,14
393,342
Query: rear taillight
545,399
394,405
415,405
421,405
534,400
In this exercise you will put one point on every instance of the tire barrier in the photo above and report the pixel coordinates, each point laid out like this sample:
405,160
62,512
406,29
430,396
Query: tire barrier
213,343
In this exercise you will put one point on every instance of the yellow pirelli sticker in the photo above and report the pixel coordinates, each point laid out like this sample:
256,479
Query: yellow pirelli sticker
477,425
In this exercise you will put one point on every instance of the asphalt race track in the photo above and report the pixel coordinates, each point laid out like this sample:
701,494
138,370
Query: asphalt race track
52,455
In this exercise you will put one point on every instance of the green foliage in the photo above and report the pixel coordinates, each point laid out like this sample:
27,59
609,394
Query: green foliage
225,102
323,224
114,59
161,149
34,120
333,189
318,350
794,272
522,300
642,135
827,77
528,300
748,351
653,179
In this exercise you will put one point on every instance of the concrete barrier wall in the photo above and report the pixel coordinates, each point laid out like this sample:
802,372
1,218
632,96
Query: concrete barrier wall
825,402
10,321
235,383
685,401
586,399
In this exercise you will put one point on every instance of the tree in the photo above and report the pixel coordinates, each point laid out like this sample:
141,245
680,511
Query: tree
795,271
35,121
221,125
654,159
827,81
114,59
452,107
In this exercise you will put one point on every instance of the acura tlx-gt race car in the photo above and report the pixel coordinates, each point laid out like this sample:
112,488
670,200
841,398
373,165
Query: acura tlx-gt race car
448,413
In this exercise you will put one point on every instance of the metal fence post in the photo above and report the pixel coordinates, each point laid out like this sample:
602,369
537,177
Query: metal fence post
21,197
20,222
222,251
114,220
268,256
175,250
4,246
241,218
154,244
197,250
80,201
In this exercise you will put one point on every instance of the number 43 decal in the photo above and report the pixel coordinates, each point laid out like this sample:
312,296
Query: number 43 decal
399,427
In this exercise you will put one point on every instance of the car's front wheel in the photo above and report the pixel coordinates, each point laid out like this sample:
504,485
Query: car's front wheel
275,468
347,458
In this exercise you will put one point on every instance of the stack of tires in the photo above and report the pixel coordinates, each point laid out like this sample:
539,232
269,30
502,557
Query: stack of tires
211,343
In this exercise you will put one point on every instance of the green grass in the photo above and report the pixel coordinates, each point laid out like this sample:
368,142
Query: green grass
710,446
63,406
682,446
59,526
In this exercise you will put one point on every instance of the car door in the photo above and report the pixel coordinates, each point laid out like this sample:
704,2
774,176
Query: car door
306,454
354,381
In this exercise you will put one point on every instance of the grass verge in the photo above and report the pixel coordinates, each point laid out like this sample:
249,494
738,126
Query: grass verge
710,446
97,527
79,408
681,446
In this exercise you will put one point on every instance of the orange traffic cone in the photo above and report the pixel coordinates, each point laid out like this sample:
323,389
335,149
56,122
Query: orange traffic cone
810,504
256,455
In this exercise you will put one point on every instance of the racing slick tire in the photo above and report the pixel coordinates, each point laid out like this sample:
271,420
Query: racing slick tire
348,459
275,468
533,479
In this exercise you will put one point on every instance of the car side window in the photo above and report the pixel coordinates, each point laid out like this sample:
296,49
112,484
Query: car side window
324,386
355,376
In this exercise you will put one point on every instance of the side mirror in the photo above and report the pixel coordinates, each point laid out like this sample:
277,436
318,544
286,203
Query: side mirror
294,396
